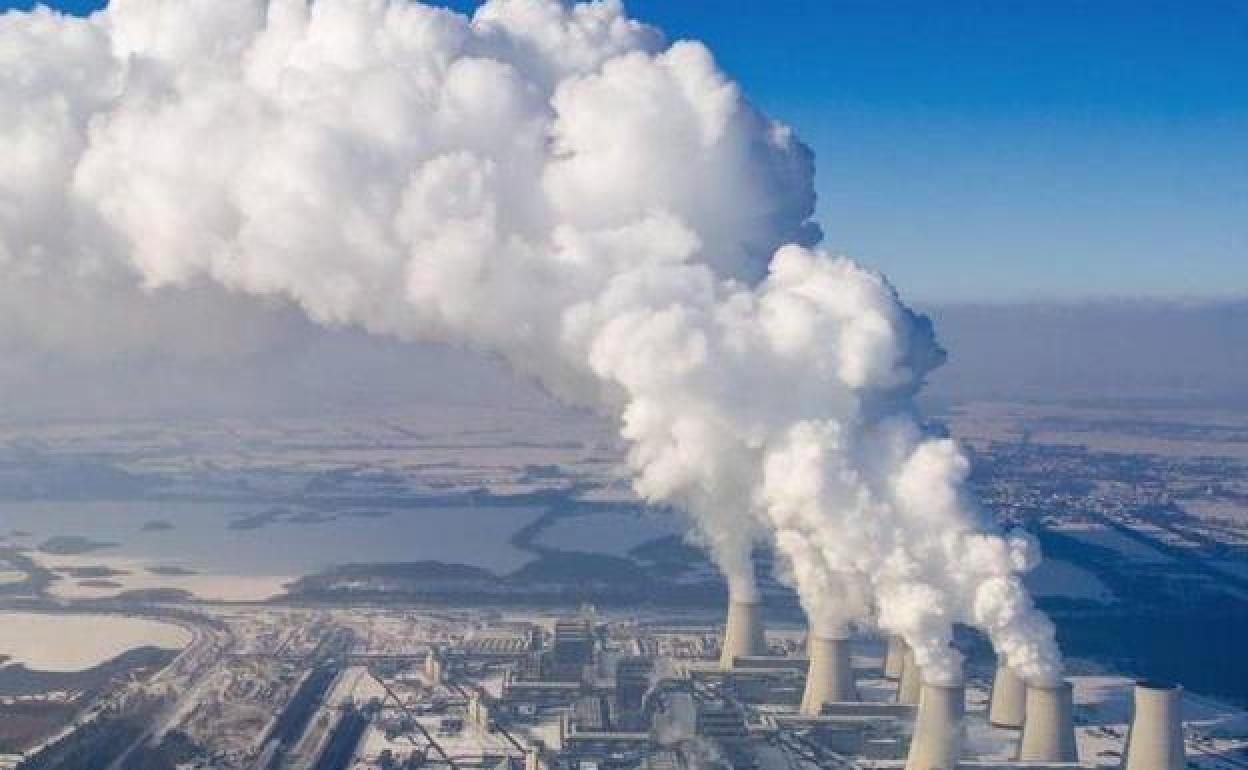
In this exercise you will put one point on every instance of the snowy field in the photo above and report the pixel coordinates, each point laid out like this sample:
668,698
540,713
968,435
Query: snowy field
134,575
55,642
1104,537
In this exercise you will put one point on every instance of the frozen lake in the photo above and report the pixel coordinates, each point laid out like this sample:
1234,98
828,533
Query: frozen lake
199,536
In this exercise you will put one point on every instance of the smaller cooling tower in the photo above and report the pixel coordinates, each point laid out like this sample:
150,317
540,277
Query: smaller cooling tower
893,660
1155,737
911,682
1049,726
1009,696
938,728
830,677
743,632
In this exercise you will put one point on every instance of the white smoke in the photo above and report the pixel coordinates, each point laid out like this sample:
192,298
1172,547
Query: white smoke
556,185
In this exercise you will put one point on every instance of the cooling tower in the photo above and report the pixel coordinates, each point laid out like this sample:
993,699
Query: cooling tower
1155,738
743,633
938,729
1049,726
893,660
830,677
910,685
1009,696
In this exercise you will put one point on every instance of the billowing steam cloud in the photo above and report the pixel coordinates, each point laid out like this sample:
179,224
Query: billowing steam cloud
553,184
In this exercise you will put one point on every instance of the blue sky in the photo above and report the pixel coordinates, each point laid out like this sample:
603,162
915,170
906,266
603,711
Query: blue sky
1004,150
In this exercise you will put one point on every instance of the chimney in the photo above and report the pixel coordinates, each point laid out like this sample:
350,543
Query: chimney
911,682
1009,695
938,728
743,633
1048,727
893,660
830,677
1155,737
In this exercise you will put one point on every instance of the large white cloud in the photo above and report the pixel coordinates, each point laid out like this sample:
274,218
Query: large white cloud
556,185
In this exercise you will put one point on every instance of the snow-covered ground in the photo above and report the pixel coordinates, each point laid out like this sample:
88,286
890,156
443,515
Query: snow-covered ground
1104,537
61,642
135,576
9,576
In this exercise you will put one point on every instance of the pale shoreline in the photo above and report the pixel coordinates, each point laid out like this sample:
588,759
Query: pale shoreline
203,586
64,642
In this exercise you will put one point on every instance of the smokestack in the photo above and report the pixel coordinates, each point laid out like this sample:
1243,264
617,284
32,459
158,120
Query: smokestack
893,659
911,683
830,677
1049,727
743,632
1155,738
938,729
1009,696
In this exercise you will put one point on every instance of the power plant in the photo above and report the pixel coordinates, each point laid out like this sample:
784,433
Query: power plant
829,677
1009,698
534,689
911,682
939,729
1155,737
1048,725
743,633
886,713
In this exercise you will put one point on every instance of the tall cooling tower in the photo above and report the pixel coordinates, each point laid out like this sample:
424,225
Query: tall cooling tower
893,659
1009,696
1155,738
1049,726
938,728
830,677
911,682
743,633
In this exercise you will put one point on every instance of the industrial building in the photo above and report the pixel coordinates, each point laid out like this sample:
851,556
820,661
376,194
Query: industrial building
576,693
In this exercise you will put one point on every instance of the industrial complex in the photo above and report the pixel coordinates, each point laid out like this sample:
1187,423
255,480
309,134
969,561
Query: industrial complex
275,688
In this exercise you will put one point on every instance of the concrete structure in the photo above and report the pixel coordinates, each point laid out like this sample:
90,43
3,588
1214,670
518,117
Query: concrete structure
724,724
894,657
1155,736
1049,726
911,682
435,668
1009,697
573,643
830,678
743,632
632,681
938,728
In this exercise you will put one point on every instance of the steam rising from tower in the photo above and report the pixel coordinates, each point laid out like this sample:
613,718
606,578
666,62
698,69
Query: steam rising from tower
555,185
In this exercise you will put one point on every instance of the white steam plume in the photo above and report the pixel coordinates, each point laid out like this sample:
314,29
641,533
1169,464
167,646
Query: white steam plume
556,185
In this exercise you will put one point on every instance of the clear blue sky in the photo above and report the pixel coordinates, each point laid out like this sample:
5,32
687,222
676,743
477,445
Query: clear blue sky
1006,149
